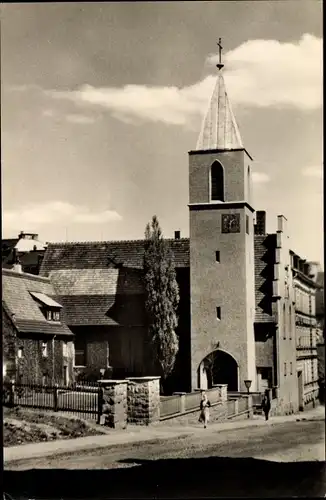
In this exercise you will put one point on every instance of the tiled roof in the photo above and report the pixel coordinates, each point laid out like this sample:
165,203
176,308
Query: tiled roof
106,254
85,276
47,327
264,248
219,129
24,310
112,310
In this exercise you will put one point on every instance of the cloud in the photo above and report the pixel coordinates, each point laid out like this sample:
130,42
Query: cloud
156,104
48,112
55,212
260,178
266,73
80,119
314,171
258,73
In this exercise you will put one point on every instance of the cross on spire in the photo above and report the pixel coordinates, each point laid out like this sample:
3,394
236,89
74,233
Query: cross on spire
220,48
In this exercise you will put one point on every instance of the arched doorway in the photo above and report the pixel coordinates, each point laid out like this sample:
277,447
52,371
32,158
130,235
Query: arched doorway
218,367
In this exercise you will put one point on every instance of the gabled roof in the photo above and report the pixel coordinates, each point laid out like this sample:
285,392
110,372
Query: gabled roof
219,128
23,309
106,254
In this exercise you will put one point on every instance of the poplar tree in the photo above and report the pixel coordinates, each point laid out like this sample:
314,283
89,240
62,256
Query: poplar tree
162,299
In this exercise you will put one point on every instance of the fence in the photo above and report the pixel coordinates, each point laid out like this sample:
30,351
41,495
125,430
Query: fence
183,403
170,405
80,400
186,402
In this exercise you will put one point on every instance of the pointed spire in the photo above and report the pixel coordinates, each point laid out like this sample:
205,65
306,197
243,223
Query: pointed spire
219,128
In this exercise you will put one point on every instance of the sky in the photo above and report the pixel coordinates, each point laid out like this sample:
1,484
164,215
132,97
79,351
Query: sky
101,103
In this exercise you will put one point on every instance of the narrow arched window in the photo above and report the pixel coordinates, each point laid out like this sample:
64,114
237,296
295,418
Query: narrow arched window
217,181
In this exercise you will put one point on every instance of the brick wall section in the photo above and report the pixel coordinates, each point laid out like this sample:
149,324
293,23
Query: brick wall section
143,400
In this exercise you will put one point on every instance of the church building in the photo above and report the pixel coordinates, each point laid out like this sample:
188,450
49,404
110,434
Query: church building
237,302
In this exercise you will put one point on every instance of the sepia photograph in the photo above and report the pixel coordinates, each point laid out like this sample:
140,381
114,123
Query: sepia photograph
162,250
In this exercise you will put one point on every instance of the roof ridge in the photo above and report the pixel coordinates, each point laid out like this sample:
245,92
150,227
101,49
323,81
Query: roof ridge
67,243
35,277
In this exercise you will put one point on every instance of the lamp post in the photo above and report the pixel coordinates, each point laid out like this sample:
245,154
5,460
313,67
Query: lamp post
248,385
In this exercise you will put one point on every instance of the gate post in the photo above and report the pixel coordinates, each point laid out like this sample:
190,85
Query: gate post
99,404
55,397
12,393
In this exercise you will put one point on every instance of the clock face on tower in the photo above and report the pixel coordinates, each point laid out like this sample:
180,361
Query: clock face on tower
230,223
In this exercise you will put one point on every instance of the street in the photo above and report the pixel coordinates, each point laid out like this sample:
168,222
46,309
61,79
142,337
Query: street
284,459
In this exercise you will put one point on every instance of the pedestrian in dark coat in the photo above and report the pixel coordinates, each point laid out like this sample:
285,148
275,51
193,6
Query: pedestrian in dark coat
266,404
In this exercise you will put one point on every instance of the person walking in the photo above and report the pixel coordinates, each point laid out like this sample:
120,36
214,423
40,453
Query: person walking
204,409
266,404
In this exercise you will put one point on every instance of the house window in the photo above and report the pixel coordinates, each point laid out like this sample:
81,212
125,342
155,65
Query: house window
247,224
291,368
80,352
52,315
217,256
20,352
44,349
65,349
290,323
217,181
55,316
218,313
285,369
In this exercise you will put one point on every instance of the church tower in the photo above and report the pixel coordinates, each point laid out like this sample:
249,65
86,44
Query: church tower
221,251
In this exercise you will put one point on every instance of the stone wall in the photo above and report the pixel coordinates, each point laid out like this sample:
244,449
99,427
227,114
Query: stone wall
143,400
114,403
134,401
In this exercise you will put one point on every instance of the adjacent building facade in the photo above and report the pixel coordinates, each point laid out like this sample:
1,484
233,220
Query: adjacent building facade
37,345
305,288
26,250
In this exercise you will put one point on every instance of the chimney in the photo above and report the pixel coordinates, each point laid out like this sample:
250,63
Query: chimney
177,235
260,226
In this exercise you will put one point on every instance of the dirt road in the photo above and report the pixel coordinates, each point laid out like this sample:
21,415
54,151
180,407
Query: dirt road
283,459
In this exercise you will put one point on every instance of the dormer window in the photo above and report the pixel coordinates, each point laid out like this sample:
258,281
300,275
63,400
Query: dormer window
49,307
52,315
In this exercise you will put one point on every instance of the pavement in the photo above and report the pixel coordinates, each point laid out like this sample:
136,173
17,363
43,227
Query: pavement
138,434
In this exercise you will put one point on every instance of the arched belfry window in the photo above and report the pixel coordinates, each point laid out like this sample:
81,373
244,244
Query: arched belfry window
217,181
